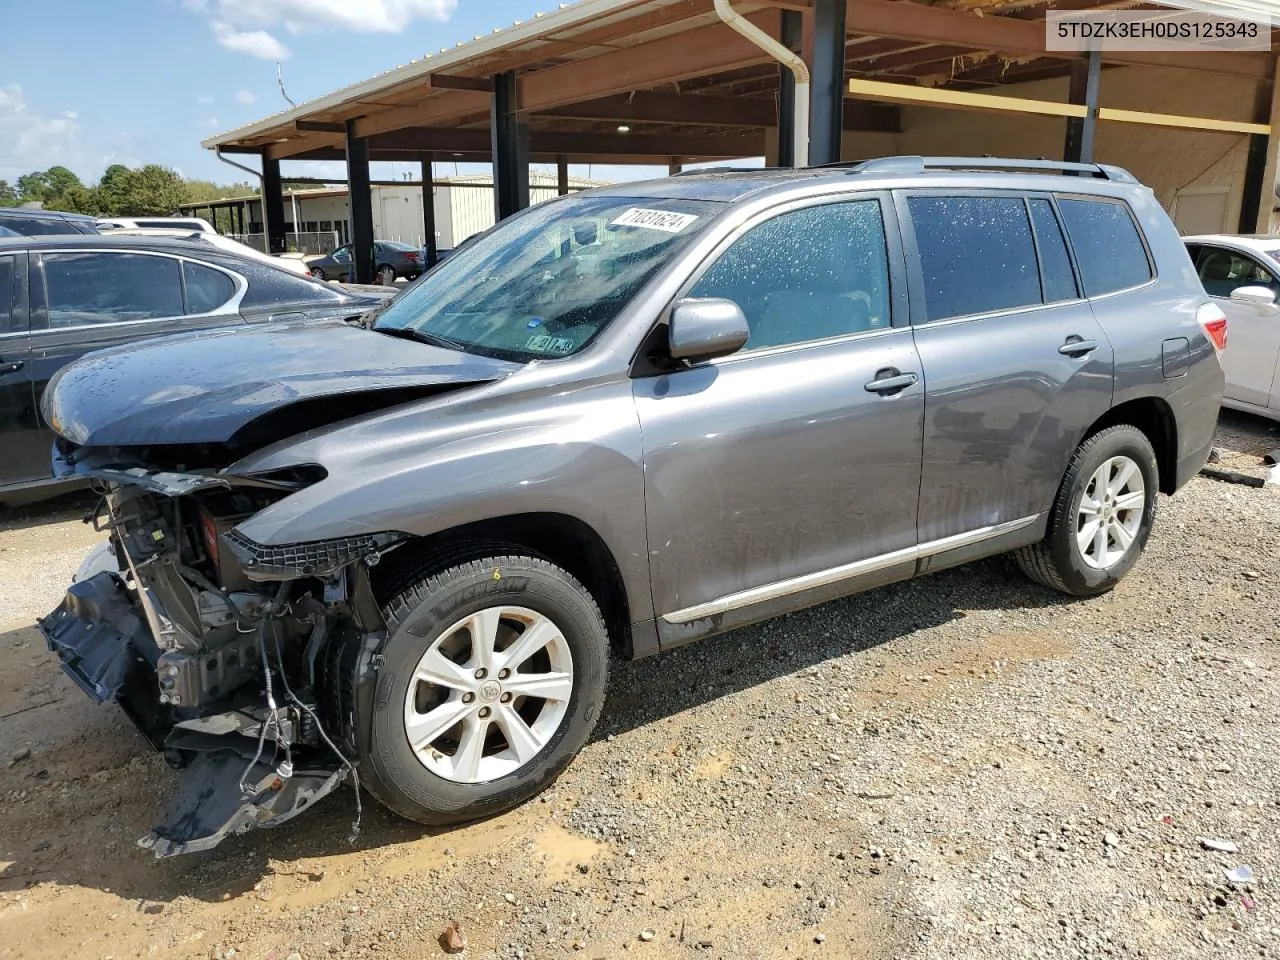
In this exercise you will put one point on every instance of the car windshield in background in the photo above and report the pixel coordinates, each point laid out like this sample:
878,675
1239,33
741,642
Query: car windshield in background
545,283
397,245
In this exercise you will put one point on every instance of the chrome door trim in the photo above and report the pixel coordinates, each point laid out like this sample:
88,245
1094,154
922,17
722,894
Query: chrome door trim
847,571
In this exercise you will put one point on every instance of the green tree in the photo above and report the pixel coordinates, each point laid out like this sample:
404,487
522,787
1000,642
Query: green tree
8,195
76,199
32,186
113,188
153,191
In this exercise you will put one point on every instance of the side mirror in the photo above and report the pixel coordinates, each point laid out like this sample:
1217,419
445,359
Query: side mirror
1264,298
703,329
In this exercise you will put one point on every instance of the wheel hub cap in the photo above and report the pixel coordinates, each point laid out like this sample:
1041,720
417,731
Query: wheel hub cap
488,694
1110,514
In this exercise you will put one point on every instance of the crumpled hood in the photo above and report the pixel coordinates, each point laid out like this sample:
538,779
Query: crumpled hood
205,387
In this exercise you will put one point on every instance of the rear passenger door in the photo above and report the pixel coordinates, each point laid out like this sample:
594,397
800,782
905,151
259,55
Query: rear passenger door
1016,366
23,453
94,299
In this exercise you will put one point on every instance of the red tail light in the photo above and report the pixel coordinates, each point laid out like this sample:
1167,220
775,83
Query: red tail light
1214,322
413,255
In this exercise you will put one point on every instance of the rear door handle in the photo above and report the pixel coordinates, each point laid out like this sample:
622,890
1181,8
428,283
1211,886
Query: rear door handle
1076,347
13,367
890,381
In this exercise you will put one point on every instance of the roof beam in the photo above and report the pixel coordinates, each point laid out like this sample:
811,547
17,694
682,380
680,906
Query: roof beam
740,143
318,126
693,53
913,21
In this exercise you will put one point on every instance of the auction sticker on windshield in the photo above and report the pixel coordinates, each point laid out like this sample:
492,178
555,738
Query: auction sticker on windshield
545,344
663,220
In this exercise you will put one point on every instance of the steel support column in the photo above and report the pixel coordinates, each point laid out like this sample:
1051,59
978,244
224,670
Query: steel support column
431,250
272,206
826,104
562,175
510,148
1262,167
792,24
674,166
360,198
1086,76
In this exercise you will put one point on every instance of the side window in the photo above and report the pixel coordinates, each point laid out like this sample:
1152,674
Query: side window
269,286
976,254
1108,246
85,288
1222,271
207,289
342,254
37,226
808,274
7,291
1055,263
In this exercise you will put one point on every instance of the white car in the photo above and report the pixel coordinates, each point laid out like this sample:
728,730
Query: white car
1242,274
291,262
155,224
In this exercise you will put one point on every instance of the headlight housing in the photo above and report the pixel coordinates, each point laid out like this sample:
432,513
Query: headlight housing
315,558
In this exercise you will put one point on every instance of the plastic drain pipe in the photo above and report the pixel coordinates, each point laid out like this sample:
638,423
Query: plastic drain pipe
789,59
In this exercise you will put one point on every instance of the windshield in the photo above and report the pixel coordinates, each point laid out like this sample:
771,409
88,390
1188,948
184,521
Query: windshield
397,245
545,283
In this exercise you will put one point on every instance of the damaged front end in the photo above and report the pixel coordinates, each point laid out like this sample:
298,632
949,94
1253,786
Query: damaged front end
246,665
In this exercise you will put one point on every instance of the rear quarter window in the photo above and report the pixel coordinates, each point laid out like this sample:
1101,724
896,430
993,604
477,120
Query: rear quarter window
1108,247
269,287
38,226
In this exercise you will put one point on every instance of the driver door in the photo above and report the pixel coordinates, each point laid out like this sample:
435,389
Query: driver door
1253,330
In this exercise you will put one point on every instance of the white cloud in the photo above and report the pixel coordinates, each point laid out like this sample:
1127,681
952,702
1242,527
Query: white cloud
256,43
70,114
31,142
204,100
310,16
210,122
245,96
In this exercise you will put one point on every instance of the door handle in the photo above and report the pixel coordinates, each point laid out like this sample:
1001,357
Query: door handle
890,381
1077,347
13,367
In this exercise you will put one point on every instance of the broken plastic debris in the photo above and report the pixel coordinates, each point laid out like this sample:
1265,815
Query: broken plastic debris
1222,846
1240,874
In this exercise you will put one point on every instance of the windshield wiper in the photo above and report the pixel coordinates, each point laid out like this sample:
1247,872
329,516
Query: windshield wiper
421,336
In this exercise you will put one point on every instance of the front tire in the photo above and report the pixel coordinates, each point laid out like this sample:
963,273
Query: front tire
494,677
1101,518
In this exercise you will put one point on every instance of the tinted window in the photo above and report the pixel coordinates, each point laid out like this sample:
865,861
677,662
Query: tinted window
207,289
37,226
88,288
342,254
1108,247
270,285
976,254
6,291
1055,263
808,274
171,224
1222,271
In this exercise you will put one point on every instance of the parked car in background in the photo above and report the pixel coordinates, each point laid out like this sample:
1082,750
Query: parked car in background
290,263
393,260
61,297
624,420
30,222
155,223
1242,274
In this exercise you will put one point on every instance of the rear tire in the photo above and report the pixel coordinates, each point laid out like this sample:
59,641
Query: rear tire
1101,518
387,275
474,745
318,273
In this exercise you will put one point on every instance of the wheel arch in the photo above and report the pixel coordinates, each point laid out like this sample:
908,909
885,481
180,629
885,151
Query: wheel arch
560,538
1155,418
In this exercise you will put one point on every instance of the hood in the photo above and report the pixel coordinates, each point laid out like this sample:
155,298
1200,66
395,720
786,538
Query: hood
249,386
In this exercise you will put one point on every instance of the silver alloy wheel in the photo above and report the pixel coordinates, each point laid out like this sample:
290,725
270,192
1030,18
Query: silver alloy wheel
387,275
318,273
1110,512
488,694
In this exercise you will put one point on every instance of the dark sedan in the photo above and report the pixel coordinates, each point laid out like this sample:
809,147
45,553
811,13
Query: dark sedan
392,260
61,297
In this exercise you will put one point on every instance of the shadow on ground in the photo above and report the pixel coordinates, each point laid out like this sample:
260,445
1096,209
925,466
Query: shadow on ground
75,808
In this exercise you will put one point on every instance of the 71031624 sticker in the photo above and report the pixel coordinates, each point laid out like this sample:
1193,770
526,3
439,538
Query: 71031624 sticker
664,220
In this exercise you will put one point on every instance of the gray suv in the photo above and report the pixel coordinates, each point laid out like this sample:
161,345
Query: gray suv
402,551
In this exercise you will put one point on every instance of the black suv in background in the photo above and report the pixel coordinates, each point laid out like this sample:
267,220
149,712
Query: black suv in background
61,297
46,223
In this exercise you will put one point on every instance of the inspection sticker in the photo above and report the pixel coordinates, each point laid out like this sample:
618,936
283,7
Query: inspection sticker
545,344
663,220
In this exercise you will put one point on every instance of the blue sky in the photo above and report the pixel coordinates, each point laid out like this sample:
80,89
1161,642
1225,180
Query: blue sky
143,81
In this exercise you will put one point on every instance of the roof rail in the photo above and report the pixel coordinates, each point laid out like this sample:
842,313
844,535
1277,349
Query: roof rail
911,164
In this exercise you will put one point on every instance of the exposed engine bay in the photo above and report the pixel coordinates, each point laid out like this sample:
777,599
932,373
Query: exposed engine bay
243,664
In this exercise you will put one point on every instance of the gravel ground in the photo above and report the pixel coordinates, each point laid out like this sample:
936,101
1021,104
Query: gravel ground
962,766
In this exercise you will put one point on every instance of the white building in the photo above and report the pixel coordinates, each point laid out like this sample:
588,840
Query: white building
318,220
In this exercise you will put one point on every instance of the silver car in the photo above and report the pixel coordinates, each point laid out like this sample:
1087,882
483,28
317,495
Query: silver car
404,552
1242,274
